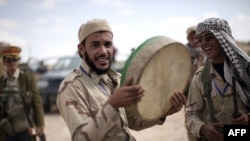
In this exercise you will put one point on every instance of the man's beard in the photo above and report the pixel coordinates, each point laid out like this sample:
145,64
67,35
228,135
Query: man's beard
93,67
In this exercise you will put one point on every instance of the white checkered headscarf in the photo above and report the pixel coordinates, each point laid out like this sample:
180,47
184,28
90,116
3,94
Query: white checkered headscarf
240,61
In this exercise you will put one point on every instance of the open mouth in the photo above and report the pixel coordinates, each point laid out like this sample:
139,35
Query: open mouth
103,60
207,48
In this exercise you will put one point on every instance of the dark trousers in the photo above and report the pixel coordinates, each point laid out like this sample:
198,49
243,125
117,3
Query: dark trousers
22,136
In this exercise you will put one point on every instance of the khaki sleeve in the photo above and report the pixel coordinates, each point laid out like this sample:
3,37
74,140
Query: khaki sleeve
195,106
136,123
84,124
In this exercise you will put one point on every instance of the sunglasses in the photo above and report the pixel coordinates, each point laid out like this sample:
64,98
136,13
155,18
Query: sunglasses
9,60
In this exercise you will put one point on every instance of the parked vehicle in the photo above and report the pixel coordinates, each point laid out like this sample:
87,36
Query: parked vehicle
34,66
49,82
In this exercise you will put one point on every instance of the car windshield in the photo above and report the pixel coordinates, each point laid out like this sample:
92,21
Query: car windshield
67,63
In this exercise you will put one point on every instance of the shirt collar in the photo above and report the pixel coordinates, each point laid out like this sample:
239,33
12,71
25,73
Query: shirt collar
16,74
214,73
96,78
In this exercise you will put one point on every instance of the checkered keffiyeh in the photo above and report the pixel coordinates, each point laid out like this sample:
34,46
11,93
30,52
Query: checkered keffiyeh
240,61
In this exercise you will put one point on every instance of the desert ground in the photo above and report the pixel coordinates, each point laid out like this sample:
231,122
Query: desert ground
172,130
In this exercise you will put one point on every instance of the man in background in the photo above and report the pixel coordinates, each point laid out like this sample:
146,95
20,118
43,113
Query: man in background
197,56
21,111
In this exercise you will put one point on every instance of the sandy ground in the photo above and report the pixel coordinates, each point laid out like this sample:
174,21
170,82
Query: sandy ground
172,130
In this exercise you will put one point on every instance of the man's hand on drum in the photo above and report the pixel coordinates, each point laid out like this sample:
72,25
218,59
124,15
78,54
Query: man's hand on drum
178,100
126,95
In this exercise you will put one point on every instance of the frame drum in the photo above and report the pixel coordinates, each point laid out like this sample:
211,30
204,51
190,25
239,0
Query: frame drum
161,66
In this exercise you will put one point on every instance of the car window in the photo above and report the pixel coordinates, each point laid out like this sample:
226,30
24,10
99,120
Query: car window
67,63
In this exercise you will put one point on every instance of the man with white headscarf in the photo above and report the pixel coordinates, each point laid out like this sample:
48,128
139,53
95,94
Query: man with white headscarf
91,100
228,74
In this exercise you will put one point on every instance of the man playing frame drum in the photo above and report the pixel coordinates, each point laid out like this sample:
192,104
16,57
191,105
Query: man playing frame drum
91,99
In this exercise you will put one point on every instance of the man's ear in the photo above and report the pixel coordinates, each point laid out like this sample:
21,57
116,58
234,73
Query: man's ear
81,50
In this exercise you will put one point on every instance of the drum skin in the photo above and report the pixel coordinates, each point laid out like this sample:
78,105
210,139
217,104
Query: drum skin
161,66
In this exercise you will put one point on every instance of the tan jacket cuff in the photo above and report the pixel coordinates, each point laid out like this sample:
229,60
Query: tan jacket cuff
110,111
198,128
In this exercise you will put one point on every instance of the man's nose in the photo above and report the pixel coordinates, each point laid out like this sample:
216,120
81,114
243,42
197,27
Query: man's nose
103,49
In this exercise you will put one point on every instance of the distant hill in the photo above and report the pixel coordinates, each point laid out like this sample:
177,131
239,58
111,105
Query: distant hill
244,46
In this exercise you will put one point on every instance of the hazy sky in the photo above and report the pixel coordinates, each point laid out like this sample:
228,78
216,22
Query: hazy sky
47,28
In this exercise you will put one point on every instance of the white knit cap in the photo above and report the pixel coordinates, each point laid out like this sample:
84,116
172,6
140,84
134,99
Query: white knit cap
93,26
191,29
